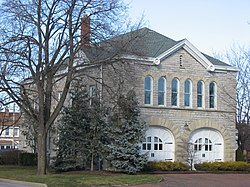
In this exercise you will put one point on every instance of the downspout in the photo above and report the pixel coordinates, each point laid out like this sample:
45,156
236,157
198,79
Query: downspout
101,82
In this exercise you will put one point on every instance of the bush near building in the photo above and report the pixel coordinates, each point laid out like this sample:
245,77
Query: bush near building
223,166
166,166
17,157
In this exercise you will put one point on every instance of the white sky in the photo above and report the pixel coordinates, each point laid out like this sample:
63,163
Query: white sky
210,25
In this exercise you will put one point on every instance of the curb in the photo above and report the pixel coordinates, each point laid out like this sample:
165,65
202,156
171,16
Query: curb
28,184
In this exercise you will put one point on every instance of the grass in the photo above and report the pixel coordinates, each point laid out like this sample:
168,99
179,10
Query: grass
73,179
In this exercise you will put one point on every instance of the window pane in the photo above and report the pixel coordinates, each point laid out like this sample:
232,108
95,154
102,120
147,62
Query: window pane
199,100
155,139
199,94
161,98
160,146
187,93
206,147
147,90
211,102
7,132
144,146
147,97
161,84
155,146
195,147
174,94
174,99
187,100
199,87
148,146
149,139
187,86
161,91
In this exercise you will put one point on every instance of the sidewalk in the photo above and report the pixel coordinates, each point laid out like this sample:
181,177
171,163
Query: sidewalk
28,184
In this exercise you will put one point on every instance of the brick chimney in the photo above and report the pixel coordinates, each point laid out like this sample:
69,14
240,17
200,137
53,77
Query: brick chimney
85,31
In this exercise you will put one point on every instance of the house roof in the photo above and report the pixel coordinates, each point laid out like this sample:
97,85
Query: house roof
9,119
148,44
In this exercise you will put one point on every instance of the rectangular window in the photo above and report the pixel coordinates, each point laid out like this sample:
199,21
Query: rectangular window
15,131
160,146
155,146
7,132
8,146
148,146
174,99
92,90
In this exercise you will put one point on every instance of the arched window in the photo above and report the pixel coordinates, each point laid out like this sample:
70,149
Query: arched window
187,93
161,91
148,90
212,95
175,92
200,94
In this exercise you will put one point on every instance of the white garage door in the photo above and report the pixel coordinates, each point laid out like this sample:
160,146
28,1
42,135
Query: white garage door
207,145
159,144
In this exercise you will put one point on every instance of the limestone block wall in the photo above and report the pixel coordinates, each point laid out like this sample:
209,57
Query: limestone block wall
181,120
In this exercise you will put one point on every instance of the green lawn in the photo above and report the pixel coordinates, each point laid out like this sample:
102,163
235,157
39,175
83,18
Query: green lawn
70,179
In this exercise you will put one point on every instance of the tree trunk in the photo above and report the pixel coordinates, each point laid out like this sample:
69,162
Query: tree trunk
92,162
41,153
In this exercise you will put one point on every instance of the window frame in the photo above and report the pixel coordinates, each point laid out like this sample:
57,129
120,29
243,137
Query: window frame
201,94
212,95
162,92
188,94
148,91
176,93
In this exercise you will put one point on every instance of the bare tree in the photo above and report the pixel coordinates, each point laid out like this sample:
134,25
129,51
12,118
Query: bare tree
240,58
38,40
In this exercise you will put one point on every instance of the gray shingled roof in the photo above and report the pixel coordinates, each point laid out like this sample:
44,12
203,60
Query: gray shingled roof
143,42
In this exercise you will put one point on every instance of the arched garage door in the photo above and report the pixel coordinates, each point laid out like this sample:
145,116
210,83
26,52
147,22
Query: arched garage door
207,145
159,144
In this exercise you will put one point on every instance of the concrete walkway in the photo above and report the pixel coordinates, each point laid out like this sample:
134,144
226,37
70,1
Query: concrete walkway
13,183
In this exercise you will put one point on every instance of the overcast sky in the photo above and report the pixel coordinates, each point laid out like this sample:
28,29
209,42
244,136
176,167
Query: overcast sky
212,26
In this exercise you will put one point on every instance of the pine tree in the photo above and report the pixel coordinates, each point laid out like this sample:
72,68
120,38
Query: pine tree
128,131
81,132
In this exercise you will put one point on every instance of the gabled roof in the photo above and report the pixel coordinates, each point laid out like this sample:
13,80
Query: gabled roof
146,44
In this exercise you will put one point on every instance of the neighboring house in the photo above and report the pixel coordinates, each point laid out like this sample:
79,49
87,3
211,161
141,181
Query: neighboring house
186,97
9,128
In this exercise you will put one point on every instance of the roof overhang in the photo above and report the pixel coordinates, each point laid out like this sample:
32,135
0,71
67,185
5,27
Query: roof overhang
192,50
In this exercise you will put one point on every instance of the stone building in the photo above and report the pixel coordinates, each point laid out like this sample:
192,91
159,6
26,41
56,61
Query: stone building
186,97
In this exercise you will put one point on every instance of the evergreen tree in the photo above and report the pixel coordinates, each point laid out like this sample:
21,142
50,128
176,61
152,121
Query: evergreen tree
128,131
80,132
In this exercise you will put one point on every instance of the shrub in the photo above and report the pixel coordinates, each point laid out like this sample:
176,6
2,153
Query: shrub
9,157
223,166
239,155
166,166
28,159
